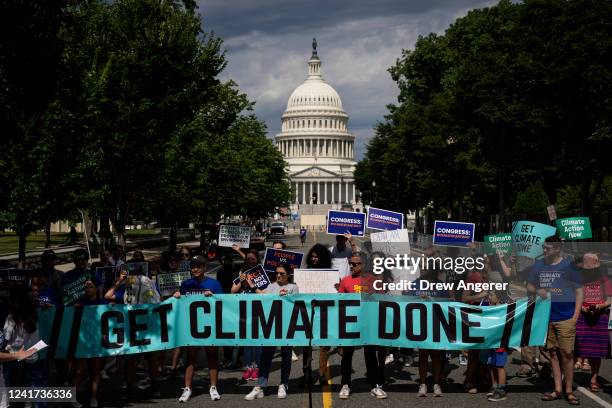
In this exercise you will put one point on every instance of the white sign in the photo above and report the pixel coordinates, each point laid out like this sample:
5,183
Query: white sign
234,235
316,280
552,212
342,265
169,283
392,243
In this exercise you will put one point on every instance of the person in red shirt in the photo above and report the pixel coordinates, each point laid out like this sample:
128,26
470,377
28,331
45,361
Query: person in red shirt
362,281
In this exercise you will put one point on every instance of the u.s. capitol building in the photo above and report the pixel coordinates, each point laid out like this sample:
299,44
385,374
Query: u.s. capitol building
318,148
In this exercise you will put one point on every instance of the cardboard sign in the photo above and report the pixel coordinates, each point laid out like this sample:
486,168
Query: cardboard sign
574,228
316,280
169,283
342,222
552,212
528,238
392,243
451,233
234,235
384,220
259,276
498,242
107,275
276,257
13,278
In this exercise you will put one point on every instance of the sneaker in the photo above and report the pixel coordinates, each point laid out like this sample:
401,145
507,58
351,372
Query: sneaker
408,361
185,395
462,359
214,394
498,395
378,392
76,404
93,403
282,391
437,391
247,373
422,390
257,392
389,359
344,392
104,375
254,374
491,391
294,356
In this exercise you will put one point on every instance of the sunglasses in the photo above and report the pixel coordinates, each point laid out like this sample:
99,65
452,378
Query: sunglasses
354,263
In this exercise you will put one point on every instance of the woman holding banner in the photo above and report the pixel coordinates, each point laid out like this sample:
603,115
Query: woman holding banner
281,287
252,354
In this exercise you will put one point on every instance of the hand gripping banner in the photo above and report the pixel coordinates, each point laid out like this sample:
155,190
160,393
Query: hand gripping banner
293,320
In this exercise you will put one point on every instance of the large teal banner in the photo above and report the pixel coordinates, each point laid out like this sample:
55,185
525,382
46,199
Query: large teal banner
294,320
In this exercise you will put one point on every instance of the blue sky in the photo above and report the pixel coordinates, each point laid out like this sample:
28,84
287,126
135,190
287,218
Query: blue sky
268,43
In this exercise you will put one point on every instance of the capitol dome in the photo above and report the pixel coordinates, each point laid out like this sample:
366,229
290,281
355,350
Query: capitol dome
317,145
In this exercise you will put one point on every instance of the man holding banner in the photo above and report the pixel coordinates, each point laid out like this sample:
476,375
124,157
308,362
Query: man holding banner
556,276
200,284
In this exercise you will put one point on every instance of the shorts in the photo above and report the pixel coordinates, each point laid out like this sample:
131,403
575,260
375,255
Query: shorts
493,358
561,335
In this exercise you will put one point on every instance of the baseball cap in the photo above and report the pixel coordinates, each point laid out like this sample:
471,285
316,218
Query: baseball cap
197,260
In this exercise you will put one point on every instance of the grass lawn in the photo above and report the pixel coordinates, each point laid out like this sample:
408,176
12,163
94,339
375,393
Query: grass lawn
9,241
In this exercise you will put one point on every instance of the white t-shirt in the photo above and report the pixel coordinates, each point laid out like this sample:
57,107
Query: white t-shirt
275,288
17,337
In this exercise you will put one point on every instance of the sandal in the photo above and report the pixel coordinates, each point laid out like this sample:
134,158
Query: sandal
595,387
551,396
572,399
578,365
586,366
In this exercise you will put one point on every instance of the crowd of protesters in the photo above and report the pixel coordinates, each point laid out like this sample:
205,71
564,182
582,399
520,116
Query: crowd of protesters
577,339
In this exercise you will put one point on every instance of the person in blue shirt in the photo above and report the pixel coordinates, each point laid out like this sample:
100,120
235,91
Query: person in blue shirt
200,285
556,276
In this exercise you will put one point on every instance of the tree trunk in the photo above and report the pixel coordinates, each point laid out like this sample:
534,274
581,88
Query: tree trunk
203,240
48,234
23,234
172,238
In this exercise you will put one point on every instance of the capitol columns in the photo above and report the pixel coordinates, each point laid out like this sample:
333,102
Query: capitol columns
325,194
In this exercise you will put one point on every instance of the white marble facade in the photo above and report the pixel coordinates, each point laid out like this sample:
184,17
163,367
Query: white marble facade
316,144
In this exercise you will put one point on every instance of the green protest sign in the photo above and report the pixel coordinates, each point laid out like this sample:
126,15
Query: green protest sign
574,228
498,242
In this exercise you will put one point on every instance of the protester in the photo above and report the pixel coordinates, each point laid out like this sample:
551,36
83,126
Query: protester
341,252
360,281
281,287
592,336
556,276
318,257
200,285
48,260
73,282
118,256
303,232
21,331
496,360
252,354
90,366
5,357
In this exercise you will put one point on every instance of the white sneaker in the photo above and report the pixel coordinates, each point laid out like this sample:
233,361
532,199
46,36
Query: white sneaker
422,390
93,403
378,392
437,390
282,391
185,395
104,375
389,359
214,394
294,356
257,392
463,360
344,392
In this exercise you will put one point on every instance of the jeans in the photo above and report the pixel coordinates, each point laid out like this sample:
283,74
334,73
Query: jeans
24,374
252,355
265,363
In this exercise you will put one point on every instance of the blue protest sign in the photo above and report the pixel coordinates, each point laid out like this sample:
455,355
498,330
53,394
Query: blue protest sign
528,238
384,220
342,222
451,233
276,257
259,277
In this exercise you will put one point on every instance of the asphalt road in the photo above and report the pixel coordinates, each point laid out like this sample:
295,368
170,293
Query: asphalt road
402,383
